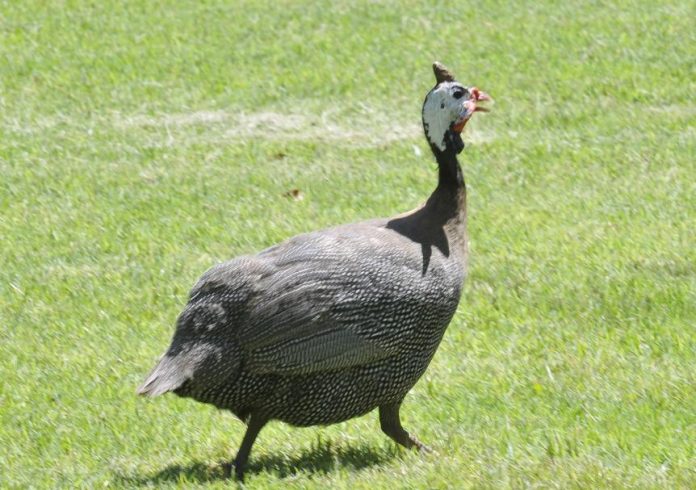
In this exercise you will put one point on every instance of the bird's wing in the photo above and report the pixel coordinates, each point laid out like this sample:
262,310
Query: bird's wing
323,308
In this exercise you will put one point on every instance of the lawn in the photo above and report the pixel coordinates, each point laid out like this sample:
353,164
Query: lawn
142,142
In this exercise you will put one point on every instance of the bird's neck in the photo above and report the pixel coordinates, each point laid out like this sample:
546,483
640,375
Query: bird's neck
450,194
448,201
441,221
450,176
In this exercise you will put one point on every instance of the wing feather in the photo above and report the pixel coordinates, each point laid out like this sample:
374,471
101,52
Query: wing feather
317,311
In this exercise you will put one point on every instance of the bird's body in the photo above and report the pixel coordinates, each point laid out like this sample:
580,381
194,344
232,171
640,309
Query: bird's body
328,325
321,328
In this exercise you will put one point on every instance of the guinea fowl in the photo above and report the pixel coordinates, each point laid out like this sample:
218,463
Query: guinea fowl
329,325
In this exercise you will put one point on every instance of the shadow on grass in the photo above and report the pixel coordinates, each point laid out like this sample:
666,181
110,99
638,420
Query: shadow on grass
321,457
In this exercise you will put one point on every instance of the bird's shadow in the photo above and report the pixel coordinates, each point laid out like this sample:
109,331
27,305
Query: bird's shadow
321,457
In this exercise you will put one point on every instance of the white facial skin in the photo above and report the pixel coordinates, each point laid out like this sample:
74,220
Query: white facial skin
447,103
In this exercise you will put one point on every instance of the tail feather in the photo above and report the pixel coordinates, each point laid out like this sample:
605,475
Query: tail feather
167,376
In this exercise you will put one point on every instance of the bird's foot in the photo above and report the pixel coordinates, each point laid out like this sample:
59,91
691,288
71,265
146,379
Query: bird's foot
421,447
238,471
227,470
414,443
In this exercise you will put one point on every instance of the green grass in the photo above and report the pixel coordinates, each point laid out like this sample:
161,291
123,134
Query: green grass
141,142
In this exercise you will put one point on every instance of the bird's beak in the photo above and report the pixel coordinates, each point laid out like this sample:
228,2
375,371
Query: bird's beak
470,106
479,96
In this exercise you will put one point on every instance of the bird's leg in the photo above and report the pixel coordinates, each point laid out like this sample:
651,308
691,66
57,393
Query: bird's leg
256,423
390,423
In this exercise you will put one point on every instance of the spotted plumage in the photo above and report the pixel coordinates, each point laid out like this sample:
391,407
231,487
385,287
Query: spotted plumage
332,324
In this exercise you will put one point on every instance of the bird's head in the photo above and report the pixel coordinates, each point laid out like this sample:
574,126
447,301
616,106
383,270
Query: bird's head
447,109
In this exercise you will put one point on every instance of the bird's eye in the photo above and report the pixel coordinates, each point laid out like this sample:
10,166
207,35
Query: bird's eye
458,94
